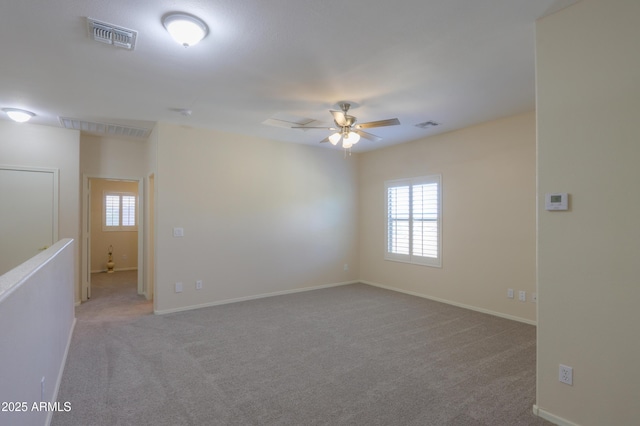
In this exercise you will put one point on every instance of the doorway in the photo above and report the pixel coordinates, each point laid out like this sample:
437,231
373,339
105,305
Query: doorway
113,229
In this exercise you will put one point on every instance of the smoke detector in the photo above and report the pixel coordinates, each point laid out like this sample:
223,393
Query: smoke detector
112,34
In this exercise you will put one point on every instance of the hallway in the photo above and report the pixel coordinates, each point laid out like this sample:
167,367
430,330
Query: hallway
114,297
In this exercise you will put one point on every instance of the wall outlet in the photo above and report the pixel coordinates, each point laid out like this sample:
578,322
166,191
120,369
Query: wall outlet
522,296
199,285
178,287
566,375
510,293
178,232
346,266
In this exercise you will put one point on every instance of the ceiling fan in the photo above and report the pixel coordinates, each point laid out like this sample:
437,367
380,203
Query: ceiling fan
347,130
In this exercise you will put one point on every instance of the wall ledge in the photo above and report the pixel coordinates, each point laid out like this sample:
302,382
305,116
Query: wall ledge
12,279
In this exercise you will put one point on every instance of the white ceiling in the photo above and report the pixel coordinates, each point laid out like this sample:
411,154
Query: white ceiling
456,62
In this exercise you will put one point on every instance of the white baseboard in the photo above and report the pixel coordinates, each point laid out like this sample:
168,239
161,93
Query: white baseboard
59,379
449,302
258,296
552,417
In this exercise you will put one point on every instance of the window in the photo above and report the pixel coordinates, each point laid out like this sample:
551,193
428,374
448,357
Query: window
414,220
120,212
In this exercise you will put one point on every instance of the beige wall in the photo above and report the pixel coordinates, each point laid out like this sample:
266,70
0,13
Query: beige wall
488,196
588,84
23,144
125,243
111,157
259,216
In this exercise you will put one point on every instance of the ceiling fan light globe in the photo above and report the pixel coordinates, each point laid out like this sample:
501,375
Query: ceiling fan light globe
335,138
351,138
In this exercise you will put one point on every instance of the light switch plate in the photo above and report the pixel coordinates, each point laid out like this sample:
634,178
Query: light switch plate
178,232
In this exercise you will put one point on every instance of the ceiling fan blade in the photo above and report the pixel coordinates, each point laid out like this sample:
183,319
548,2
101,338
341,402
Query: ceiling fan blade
380,123
325,140
313,127
340,118
368,135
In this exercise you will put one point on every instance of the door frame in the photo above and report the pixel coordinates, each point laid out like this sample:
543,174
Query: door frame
86,231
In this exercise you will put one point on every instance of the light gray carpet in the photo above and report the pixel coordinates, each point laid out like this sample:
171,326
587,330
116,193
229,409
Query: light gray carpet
350,355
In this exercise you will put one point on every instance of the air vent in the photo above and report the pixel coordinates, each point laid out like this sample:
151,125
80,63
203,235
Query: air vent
105,128
427,124
112,34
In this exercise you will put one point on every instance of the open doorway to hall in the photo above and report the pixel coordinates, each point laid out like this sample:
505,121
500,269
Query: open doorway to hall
113,240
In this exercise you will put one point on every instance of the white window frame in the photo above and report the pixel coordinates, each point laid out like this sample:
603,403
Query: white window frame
410,256
120,227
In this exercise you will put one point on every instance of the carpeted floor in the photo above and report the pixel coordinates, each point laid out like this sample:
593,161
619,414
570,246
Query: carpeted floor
350,355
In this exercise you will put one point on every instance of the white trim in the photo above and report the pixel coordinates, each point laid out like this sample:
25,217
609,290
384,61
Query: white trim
257,296
60,373
449,302
552,417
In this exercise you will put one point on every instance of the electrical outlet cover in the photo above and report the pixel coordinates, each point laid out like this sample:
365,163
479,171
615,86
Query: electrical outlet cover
566,374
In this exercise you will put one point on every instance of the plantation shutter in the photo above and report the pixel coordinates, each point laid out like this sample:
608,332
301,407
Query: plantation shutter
120,212
128,210
413,220
112,210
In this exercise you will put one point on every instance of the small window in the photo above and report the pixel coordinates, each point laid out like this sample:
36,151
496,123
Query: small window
120,212
414,220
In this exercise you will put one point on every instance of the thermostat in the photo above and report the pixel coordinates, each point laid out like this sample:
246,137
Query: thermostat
557,201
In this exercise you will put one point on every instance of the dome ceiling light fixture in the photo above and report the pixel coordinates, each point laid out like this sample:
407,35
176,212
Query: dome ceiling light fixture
186,29
18,115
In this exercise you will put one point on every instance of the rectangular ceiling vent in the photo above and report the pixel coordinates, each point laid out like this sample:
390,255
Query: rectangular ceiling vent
104,128
112,34
427,124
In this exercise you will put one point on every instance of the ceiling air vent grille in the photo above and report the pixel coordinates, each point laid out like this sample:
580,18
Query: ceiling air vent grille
112,34
104,128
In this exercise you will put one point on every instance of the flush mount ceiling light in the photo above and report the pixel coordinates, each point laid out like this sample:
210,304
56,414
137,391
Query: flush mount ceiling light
186,29
18,115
